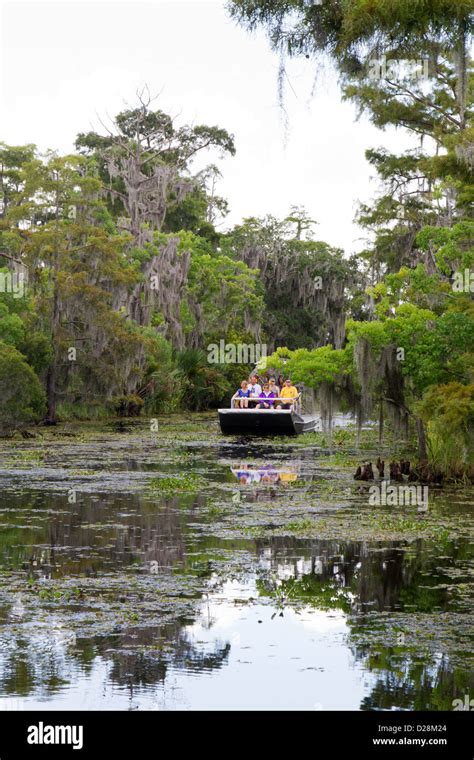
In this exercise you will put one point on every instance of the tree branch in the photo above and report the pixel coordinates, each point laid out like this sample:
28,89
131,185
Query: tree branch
11,258
424,102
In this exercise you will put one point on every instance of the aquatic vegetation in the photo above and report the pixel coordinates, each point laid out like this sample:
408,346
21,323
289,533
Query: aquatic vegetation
178,484
159,530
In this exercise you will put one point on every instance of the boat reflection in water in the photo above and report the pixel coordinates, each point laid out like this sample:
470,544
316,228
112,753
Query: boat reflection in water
250,474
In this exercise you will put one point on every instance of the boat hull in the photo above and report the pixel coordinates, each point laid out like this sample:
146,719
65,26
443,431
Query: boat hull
264,422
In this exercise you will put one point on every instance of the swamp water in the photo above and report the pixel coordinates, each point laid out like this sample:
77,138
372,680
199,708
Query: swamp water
184,570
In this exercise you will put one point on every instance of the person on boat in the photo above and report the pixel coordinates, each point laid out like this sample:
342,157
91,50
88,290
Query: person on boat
254,386
280,381
288,392
241,397
267,397
274,387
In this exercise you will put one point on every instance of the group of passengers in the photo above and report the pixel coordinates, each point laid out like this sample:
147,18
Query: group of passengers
270,393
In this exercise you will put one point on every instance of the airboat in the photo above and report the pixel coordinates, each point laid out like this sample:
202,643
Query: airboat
266,422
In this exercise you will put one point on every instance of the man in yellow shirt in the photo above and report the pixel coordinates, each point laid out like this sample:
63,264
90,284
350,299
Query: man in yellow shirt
290,392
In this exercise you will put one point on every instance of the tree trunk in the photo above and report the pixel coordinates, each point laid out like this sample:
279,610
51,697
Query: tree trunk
381,422
422,447
461,68
51,395
52,371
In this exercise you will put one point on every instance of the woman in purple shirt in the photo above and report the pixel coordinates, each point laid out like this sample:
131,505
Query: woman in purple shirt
267,397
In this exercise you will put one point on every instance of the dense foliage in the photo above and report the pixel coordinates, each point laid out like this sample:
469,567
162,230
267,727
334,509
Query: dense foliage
409,347
115,280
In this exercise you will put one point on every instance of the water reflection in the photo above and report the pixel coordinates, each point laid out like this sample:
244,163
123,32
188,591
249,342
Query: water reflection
141,607
267,474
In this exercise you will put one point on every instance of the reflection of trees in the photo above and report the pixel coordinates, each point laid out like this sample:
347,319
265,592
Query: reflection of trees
384,579
360,582
37,662
41,663
145,668
323,580
87,539
415,684
92,534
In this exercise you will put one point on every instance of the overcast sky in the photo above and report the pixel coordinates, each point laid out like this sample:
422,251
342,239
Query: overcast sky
65,64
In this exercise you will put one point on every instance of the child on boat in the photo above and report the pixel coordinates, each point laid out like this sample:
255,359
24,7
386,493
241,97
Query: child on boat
241,397
267,397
